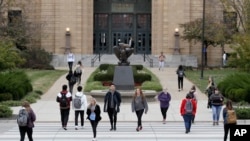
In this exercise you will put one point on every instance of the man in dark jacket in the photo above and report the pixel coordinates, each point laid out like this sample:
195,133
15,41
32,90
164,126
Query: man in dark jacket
66,96
112,102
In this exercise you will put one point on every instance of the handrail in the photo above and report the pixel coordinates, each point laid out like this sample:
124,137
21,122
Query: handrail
147,58
93,60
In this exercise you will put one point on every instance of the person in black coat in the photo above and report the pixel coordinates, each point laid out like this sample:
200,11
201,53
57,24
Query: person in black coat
112,102
94,115
71,81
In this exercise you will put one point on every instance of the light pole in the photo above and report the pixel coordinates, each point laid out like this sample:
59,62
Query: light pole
202,38
177,44
67,41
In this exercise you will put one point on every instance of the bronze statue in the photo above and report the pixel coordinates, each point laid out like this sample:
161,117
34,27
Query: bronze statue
122,52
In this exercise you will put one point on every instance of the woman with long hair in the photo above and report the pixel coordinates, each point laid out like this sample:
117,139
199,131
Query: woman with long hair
94,115
139,105
30,124
227,124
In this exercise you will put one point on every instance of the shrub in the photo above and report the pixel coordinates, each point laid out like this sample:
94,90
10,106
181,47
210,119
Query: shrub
138,67
37,58
243,113
16,83
236,87
147,85
5,111
5,96
141,77
104,67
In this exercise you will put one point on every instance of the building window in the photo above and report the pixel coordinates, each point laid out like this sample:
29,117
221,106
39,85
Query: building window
14,17
230,20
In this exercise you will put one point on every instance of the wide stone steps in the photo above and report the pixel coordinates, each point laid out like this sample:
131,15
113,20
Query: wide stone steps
152,131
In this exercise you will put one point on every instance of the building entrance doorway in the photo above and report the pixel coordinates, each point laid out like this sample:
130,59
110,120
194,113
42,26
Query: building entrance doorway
114,24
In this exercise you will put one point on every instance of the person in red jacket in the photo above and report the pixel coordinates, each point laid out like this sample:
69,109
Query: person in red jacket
188,110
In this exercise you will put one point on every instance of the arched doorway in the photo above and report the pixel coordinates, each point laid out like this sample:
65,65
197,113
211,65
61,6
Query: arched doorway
117,20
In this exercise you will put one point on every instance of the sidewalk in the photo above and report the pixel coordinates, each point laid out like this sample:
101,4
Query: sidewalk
47,109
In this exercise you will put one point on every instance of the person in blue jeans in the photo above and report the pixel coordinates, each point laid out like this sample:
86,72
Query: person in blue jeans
217,102
187,117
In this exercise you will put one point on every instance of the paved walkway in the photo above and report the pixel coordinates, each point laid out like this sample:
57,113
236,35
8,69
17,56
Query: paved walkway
47,109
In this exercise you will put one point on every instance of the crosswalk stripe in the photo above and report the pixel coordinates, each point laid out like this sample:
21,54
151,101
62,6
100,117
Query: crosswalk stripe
152,131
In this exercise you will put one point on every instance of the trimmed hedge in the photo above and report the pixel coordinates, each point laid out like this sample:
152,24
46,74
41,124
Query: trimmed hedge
236,87
15,83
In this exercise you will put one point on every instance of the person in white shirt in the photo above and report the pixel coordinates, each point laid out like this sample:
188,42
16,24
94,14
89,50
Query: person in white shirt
70,59
224,57
80,111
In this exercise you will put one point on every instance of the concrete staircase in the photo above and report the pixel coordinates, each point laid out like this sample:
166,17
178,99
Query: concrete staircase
147,61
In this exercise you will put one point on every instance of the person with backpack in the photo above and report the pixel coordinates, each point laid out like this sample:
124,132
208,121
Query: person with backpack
164,97
216,102
64,98
71,80
25,121
193,94
210,90
187,111
181,74
112,101
80,105
94,116
229,117
78,72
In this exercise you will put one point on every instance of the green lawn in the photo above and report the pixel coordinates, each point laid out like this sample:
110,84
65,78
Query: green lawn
42,80
218,75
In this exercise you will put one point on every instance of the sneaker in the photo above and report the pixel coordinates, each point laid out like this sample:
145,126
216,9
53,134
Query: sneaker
76,128
94,139
140,128
164,121
137,129
64,128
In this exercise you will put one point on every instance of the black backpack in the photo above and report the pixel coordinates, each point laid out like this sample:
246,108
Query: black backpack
180,73
63,101
72,80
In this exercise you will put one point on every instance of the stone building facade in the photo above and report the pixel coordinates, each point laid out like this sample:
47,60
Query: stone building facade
79,17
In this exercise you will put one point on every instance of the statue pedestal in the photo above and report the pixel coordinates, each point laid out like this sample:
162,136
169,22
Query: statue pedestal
123,78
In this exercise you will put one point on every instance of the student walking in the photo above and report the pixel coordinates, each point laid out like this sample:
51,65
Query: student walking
80,105
224,59
229,117
70,60
139,105
216,102
28,127
112,101
94,116
161,59
64,98
78,72
164,97
210,90
181,74
188,110
193,94
71,80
